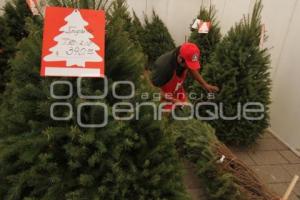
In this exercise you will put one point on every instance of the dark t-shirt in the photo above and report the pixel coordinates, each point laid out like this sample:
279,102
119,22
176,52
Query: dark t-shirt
163,68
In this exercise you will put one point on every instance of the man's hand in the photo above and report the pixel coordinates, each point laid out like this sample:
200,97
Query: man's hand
211,88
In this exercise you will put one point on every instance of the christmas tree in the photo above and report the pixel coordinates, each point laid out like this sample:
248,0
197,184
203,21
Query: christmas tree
196,141
131,23
12,29
241,70
137,30
156,39
224,175
153,37
206,42
121,8
41,158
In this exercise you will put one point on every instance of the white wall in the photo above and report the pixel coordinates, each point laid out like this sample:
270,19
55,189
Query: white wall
2,2
285,113
282,20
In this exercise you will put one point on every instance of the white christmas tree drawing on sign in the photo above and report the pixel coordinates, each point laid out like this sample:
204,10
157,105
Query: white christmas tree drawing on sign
74,44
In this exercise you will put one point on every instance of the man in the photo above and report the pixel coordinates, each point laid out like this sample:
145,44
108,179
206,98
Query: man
169,72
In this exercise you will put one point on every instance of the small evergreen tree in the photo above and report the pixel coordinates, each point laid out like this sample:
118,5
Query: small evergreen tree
12,29
45,159
156,39
241,70
137,30
207,42
121,10
131,24
196,141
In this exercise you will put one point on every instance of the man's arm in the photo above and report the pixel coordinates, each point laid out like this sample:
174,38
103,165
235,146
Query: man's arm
197,76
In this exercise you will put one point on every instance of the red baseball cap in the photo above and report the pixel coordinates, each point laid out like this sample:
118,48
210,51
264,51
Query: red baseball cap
191,54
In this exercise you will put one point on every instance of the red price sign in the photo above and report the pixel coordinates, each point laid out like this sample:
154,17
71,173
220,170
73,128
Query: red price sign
73,43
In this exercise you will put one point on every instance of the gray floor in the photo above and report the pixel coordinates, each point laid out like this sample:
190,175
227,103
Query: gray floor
273,162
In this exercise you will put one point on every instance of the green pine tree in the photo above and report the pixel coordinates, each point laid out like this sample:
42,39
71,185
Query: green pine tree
156,39
196,142
130,21
207,43
137,30
12,29
121,8
45,159
241,70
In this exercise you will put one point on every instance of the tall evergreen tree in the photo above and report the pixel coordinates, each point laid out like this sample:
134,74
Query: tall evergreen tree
45,159
241,70
156,40
12,29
